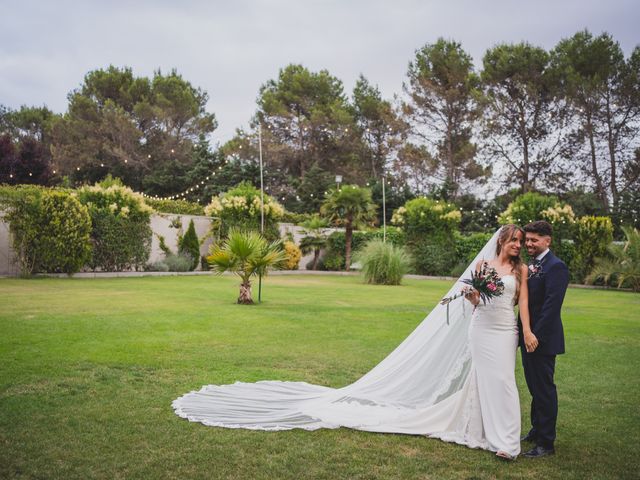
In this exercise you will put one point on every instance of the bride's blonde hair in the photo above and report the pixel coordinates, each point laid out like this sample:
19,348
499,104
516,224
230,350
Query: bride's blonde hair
507,232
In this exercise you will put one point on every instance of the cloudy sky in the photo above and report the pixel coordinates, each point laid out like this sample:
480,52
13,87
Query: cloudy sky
230,48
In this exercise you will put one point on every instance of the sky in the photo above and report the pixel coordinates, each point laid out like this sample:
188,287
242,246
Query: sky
231,48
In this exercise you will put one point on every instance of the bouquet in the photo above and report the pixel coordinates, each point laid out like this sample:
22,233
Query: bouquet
486,281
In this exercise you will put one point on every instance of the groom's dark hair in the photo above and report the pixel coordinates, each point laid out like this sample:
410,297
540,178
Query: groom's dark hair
539,227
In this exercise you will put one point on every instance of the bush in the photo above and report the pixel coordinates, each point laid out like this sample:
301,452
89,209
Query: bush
434,258
333,258
190,245
294,254
527,208
180,207
429,226
50,229
468,246
295,218
332,261
423,217
383,263
240,208
159,266
178,263
565,250
592,237
621,267
121,231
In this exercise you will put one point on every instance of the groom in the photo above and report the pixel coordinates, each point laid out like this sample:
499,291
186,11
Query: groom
548,280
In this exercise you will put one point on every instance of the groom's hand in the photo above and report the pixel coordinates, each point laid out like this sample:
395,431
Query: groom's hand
530,342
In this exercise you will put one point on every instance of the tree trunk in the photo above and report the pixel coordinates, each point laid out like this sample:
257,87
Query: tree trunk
612,159
526,185
348,234
594,166
245,293
316,256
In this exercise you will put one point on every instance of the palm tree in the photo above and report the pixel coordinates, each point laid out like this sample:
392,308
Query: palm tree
352,207
246,253
315,238
623,263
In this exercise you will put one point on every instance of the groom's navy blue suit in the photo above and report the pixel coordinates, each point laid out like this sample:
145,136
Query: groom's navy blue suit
546,293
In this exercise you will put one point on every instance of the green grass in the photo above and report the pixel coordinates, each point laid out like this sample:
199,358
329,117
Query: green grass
89,369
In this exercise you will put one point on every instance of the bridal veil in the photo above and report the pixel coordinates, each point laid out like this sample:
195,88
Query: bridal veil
428,368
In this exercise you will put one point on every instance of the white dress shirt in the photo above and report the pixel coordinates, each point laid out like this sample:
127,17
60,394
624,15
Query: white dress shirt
541,256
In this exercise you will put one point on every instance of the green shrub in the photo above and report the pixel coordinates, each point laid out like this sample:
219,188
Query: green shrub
240,208
64,233
621,266
430,226
179,207
527,208
434,258
50,229
295,218
565,250
181,262
468,246
592,237
121,231
423,217
383,263
189,244
332,261
333,258
159,266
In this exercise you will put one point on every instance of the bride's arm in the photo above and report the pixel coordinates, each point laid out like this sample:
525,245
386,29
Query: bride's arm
530,340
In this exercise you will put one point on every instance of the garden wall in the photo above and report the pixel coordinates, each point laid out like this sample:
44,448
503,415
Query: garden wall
160,225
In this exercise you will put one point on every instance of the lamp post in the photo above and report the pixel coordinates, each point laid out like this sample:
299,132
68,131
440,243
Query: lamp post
338,180
261,205
384,210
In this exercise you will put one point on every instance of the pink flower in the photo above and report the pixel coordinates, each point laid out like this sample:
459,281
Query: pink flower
491,287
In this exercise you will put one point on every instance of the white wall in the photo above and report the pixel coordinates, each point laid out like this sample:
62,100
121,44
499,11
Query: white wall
160,225
8,265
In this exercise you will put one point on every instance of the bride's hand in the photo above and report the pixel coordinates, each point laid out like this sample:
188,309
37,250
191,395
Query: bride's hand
472,295
530,341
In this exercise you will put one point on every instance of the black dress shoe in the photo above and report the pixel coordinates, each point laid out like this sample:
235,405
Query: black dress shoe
539,452
529,437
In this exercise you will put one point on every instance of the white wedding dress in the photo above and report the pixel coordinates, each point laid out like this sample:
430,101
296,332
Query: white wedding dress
450,380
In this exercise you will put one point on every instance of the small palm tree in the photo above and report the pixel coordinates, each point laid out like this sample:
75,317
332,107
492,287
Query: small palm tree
623,263
246,253
315,239
352,207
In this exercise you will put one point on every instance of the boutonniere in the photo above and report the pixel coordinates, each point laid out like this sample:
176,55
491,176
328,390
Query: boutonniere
535,269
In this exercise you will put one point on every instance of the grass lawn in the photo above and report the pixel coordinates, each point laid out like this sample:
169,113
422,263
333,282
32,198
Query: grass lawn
89,368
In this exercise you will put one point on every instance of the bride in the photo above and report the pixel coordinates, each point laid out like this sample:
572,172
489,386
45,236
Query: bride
449,379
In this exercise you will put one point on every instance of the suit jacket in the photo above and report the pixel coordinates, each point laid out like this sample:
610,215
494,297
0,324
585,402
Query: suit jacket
546,294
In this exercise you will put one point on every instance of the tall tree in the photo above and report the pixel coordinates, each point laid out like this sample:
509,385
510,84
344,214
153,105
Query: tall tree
523,122
442,109
306,120
604,90
380,125
27,130
142,130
